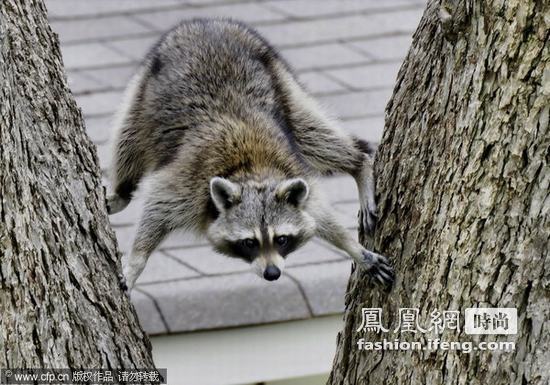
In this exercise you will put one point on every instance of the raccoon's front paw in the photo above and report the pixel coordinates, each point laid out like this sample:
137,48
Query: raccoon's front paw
378,267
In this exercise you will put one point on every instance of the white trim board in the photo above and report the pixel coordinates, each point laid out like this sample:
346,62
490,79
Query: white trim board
249,354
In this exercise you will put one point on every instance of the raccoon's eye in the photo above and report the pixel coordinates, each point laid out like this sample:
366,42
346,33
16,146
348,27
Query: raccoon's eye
249,243
281,240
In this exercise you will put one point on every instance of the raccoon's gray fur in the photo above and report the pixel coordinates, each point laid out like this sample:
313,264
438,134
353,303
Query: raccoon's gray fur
233,144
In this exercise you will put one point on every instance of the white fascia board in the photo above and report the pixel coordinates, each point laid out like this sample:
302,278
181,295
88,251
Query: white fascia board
249,354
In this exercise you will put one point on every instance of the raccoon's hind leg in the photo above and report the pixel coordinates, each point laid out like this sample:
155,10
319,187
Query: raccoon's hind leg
327,148
128,169
129,159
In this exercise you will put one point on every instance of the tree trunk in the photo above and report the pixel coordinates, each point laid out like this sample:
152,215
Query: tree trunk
463,187
60,301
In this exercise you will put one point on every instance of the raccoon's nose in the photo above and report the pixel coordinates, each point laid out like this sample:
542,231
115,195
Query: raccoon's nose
272,273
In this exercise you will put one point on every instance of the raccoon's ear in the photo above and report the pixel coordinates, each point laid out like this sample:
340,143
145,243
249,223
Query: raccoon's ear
294,191
224,193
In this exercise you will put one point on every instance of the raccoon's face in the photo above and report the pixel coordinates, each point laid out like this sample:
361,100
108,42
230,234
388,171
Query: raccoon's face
260,223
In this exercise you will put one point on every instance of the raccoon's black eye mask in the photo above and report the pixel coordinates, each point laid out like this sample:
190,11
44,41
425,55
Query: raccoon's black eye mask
286,244
247,249
281,240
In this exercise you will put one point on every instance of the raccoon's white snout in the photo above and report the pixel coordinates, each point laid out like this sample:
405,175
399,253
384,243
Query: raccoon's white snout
269,267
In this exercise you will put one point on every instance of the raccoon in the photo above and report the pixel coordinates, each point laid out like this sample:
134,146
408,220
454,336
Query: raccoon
233,145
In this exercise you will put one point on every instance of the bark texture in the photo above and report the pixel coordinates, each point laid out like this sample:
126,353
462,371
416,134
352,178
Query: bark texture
60,303
463,187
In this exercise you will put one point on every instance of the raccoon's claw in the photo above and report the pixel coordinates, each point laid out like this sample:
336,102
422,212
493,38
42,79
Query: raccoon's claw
122,284
378,267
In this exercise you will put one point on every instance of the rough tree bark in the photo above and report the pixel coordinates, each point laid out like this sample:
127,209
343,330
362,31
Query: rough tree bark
463,182
60,303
